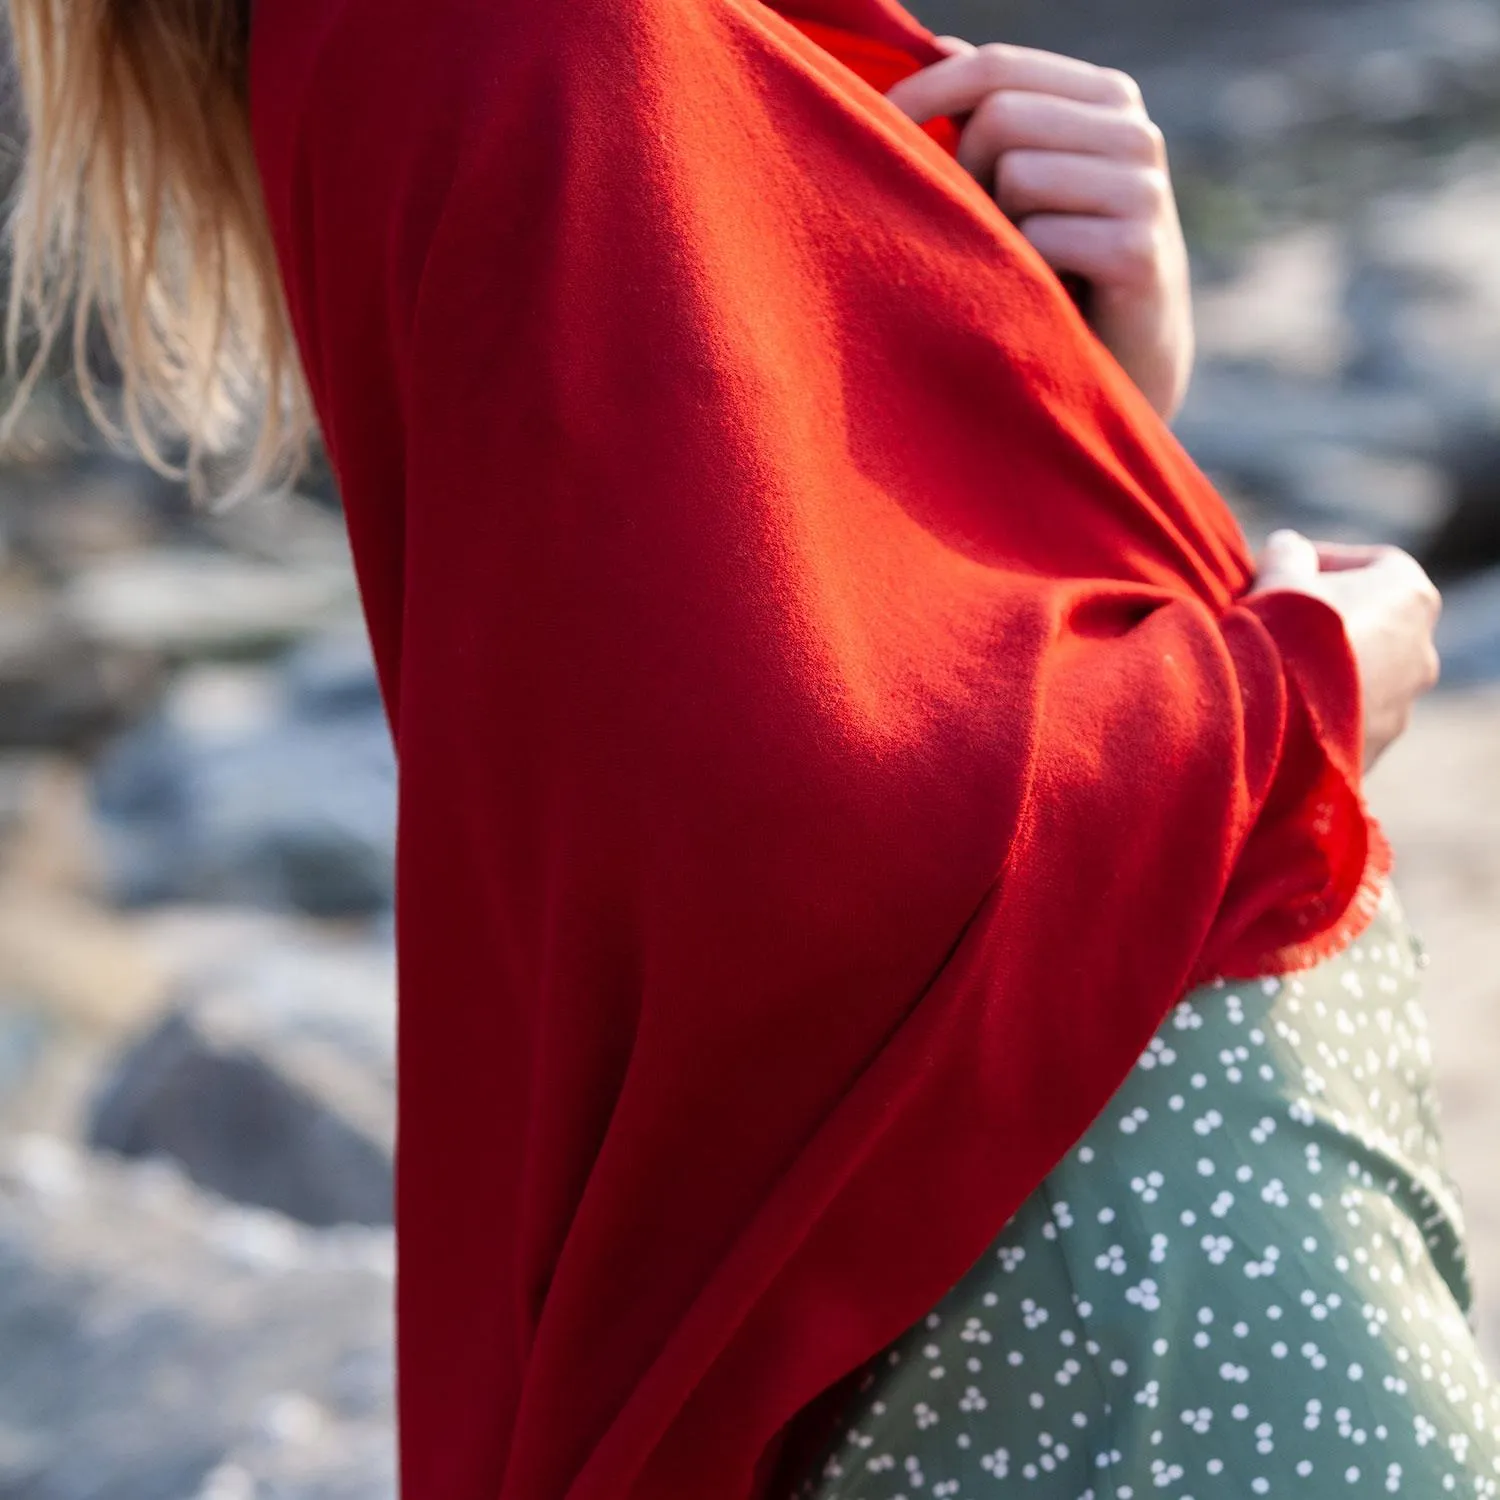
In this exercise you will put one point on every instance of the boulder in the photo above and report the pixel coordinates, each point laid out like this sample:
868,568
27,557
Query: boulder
1468,636
1423,294
62,517
194,603
272,1085
275,789
286,528
21,776
58,688
1306,62
25,1033
1468,538
160,1345
1245,417
1334,460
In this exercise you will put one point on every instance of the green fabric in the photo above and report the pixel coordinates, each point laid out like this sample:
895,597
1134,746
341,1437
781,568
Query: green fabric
1248,1279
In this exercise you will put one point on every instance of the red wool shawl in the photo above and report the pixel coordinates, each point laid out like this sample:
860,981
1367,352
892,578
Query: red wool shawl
830,737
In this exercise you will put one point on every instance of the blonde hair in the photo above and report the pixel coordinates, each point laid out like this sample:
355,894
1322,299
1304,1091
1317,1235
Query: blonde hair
139,211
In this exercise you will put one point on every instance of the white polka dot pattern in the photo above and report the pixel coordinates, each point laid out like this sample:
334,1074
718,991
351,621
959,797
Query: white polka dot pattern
1247,1279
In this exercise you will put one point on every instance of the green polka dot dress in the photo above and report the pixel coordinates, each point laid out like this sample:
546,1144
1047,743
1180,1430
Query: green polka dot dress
1247,1279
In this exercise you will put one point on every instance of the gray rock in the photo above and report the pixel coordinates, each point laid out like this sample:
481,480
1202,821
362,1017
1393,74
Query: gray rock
1369,61
1468,637
24,1035
331,677
1278,309
1349,494
161,1346
20,778
1144,28
256,789
59,689
1360,464
1423,298
1468,540
61,518
289,529
273,1085
195,604
1242,417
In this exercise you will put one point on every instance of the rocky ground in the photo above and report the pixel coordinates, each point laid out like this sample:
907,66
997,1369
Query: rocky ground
1436,795
196,792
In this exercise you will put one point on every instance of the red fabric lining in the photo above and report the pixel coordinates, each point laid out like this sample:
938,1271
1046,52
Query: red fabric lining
830,734
879,64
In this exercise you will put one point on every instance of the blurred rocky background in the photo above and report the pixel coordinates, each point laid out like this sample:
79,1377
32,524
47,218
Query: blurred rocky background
196,789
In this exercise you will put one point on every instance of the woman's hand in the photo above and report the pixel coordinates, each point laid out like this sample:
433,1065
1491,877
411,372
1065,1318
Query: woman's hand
1389,608
1070,154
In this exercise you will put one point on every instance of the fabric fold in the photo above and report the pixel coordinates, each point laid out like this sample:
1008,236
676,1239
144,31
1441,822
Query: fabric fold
830,732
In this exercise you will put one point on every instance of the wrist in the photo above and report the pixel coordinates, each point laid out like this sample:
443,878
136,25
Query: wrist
1153,343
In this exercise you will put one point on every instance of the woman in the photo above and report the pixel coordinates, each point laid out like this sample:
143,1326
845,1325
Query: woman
836,727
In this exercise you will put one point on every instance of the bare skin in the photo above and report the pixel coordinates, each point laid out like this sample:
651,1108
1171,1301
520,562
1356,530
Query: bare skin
1389,607
1070,154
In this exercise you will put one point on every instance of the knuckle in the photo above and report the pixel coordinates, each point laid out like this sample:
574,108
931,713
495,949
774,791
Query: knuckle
1399,557
1134,250
1144,141
1393,716
1016,173
1152,190
1000,111
1423,590
996,61
1122,87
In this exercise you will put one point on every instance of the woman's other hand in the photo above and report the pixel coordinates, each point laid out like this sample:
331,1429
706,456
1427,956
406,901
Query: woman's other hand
1071,156
1389,607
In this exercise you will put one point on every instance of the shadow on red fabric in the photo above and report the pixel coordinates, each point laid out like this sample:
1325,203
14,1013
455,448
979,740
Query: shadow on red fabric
831,730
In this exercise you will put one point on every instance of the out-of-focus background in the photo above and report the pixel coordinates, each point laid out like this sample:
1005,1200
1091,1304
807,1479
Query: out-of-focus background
196,789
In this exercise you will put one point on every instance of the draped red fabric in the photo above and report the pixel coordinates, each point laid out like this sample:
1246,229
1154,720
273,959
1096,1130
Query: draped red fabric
831,732
881,64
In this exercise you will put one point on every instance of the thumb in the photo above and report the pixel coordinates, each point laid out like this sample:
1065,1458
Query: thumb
953,45
1288,560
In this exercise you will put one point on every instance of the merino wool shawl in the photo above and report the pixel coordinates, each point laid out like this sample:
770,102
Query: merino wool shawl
832,730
